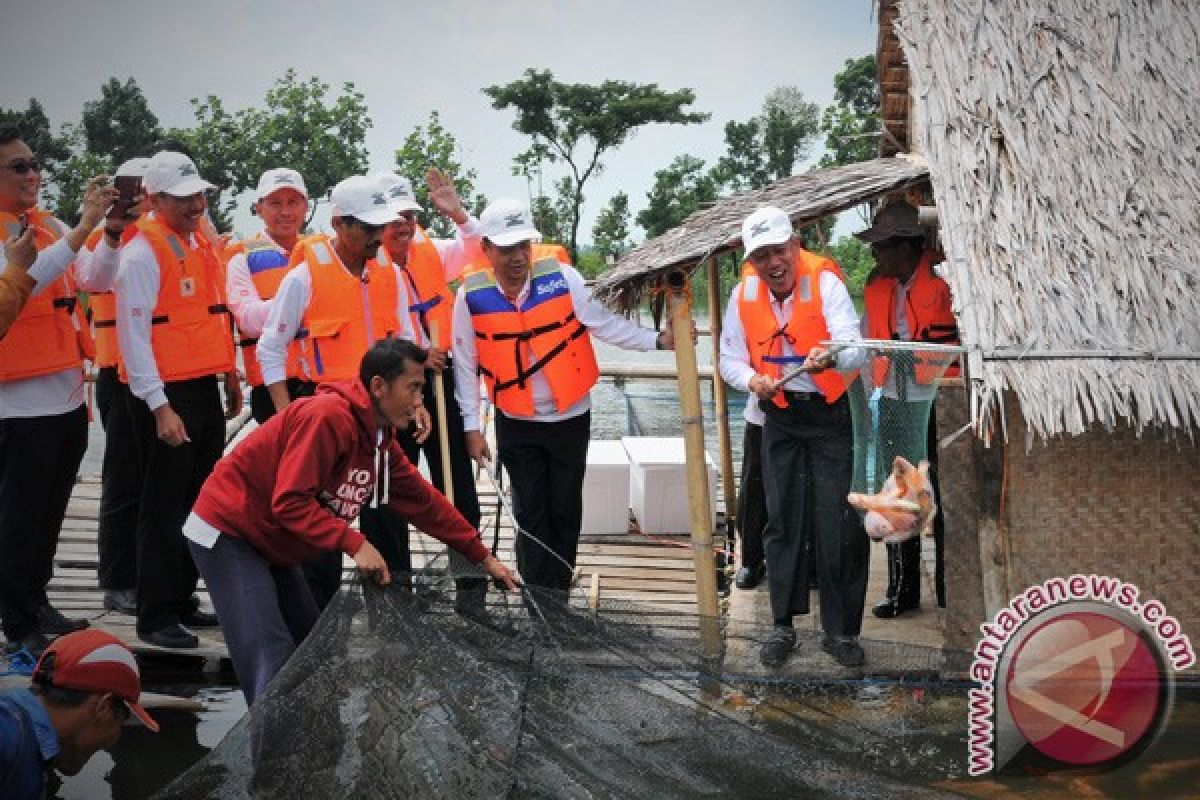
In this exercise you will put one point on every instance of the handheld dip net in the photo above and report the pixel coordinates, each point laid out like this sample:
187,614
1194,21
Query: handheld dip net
891,396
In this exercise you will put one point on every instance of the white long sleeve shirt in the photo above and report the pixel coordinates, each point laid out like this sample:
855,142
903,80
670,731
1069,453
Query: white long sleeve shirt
600,322
456,254
287,312
840,318
248,307
58,392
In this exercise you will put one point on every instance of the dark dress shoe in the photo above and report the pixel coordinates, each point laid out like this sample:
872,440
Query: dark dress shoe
174,636
51,621
199,619
891,608
847,652
123,601
749,577
778,646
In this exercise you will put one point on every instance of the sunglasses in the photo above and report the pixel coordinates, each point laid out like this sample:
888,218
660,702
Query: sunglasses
24,167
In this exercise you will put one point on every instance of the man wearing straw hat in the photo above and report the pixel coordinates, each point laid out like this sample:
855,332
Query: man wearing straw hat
526,328
906,300
776,320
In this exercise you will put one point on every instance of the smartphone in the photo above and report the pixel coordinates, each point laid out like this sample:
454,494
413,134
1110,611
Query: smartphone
128,187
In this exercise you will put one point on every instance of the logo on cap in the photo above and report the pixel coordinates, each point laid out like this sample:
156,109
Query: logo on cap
284,178
514,220
377,199
760,227
186,169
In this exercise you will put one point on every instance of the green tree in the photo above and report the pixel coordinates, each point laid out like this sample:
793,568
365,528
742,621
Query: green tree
219,144
576,123
611,231
855,259
300,127
678,190
120,125
851,124
768,147
74,174
432,145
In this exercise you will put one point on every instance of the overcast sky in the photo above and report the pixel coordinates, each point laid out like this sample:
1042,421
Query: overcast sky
409,59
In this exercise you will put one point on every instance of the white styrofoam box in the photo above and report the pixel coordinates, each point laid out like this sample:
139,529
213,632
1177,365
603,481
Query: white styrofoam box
606,488
658,490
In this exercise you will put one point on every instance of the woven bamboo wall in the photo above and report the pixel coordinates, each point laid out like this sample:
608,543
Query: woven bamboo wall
893,83
1104,502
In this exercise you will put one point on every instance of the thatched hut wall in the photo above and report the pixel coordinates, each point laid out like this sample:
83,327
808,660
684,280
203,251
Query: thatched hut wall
1063,141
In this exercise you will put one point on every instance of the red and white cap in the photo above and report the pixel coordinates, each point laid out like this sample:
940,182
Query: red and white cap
94,661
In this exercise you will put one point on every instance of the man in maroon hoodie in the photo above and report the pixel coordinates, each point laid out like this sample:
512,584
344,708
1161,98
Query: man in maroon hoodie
291,488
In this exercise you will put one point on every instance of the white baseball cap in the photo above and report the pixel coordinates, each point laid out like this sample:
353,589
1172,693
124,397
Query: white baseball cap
506,222
364,199
399,192
133,168
766,226
175,174
280,178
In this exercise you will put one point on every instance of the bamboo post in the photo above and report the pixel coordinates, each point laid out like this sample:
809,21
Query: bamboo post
720,400
699,504
443,431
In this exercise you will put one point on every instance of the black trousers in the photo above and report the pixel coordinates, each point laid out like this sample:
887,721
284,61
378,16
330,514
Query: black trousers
120,483
807,466
39,463
166,574
546,462
904,559
462,470
262,408
752,497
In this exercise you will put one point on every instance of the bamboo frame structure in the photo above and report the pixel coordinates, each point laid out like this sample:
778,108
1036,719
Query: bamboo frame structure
699,503
720,398
443,432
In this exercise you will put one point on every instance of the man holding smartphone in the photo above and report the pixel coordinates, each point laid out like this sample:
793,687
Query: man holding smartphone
121,476
43,419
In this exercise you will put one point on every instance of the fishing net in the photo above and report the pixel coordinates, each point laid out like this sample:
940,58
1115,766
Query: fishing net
891,397
394,695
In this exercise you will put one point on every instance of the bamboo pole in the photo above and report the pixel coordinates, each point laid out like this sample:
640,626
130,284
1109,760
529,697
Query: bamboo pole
443,431
699,504
720,401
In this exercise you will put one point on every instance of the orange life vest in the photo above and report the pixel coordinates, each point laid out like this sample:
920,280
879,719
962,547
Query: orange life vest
51,333
550,250
929,314
268,263
430,298
190,328
345,314
542,336
803,331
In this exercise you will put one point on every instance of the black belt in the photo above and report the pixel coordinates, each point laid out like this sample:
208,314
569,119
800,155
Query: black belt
791,396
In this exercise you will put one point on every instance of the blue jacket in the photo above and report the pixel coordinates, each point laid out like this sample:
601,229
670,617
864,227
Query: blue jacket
28,743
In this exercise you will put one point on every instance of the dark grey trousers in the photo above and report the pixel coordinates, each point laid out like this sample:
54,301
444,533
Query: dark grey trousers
807,463
265,611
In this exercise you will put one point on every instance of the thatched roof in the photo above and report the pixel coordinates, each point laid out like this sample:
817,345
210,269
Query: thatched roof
806,198
1063,141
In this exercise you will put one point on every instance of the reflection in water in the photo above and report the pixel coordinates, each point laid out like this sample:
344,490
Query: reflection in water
144,762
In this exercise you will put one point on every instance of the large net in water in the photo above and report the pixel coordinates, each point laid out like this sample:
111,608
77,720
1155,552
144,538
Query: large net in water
395,696
891,395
